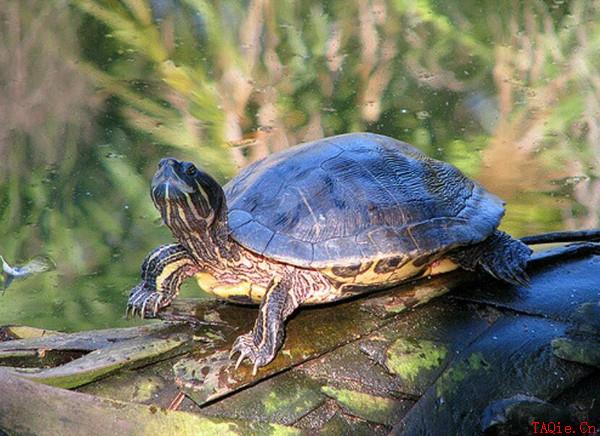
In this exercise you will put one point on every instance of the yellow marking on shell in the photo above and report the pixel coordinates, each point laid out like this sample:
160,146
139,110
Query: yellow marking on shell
206,281
439,267
403,272
367,277
168,270
410,271
210,284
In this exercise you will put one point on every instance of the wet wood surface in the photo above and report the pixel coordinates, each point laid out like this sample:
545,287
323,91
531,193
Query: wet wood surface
484,357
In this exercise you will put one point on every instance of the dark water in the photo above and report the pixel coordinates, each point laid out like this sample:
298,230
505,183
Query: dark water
93,93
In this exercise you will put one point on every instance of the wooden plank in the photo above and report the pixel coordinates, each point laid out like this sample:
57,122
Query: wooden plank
100,363
32,408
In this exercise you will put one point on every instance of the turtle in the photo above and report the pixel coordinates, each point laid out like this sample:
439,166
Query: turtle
316,223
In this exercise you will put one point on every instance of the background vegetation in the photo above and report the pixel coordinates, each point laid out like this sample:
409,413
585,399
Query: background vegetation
94,92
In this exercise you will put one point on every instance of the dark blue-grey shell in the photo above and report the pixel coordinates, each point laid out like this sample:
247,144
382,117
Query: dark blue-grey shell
353,198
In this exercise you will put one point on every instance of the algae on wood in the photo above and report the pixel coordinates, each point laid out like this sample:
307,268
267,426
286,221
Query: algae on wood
582,350
208,374
111,350
99,363
88,340
32,408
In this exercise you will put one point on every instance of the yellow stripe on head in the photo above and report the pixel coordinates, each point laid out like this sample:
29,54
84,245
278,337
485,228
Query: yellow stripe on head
202,193
192,208
167,204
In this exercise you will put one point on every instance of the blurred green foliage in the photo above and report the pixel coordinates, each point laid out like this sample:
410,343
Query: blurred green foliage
94,92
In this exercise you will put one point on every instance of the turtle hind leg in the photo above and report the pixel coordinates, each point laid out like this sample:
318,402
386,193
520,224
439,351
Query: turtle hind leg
500,255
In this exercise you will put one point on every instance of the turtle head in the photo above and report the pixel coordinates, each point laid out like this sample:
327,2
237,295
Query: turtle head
189,200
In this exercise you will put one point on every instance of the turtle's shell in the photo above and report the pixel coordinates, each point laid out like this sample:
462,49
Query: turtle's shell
354,198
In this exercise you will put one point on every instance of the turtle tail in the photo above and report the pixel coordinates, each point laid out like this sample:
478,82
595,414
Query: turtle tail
501,256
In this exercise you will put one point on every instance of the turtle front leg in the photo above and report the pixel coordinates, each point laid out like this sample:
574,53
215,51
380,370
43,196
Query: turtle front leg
261,344
163,271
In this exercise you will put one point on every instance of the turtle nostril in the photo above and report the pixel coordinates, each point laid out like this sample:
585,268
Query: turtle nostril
166,161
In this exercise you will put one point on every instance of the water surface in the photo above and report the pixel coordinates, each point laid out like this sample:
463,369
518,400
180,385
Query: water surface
94,92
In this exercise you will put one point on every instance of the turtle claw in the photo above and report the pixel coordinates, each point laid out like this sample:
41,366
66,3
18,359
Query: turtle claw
142,298
157,305
245,346
239,361
129,311
241,358
143,310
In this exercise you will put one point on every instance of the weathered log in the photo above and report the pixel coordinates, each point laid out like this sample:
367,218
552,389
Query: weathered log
484,353
33,408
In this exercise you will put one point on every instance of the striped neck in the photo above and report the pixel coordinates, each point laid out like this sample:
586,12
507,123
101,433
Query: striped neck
209,245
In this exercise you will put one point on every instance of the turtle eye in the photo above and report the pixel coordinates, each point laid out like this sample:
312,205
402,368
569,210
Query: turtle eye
190,170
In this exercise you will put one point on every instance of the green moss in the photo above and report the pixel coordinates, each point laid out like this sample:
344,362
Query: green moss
26,332
70,380
587,318
101,362
271,403
408,357
192,425
396,307
146,390
187,424
212,317
476,361
294,402
585,352
370,407
450,379
280,430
